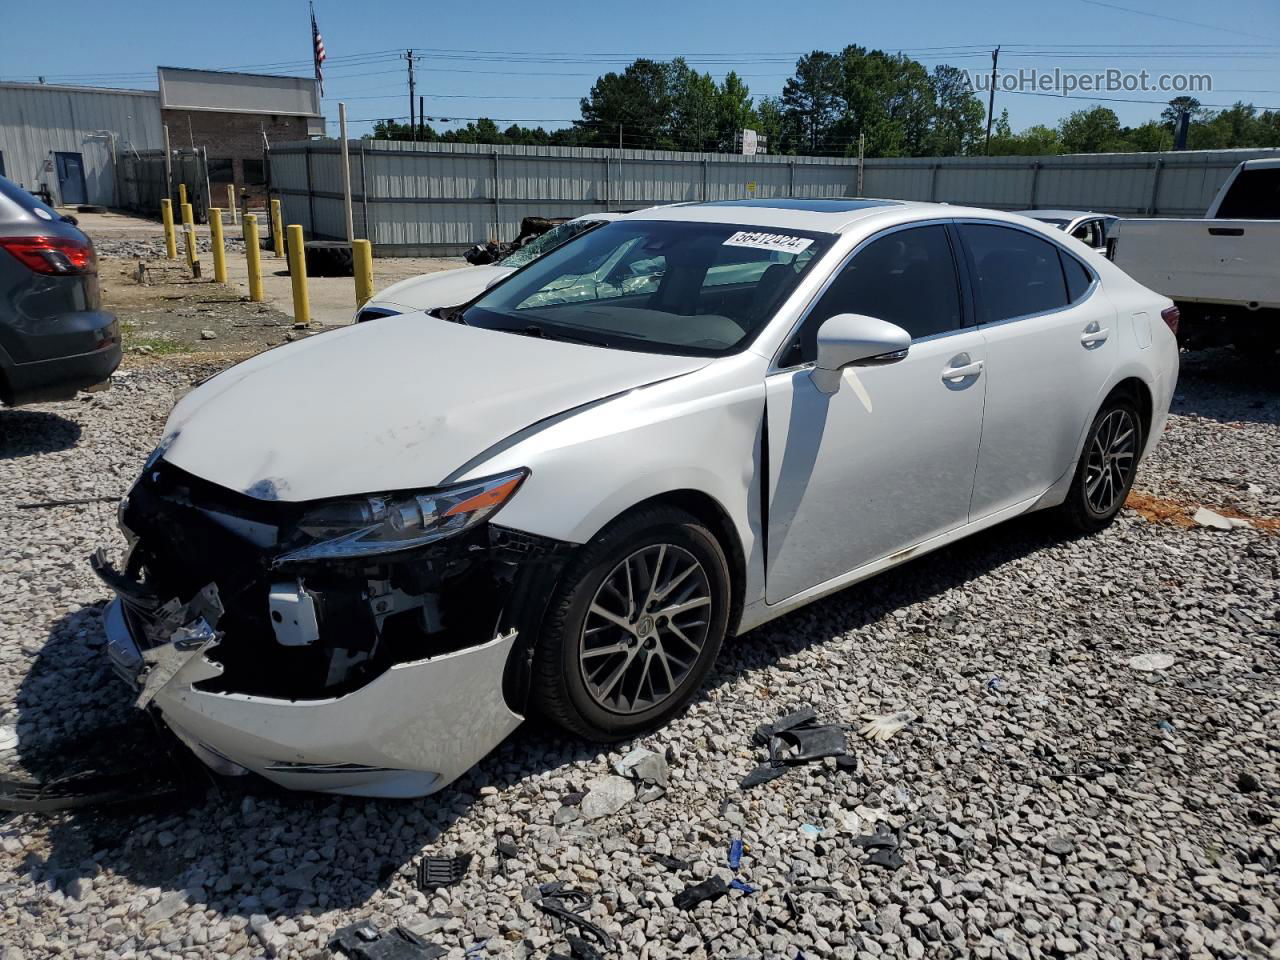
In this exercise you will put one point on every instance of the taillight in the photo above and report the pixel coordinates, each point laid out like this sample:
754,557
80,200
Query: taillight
1171,316
53,255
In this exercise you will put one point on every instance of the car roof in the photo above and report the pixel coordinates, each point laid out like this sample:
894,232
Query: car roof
819,214
827,215
1061,214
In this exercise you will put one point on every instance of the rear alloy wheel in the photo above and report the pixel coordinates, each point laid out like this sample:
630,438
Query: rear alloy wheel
635,626
1107,467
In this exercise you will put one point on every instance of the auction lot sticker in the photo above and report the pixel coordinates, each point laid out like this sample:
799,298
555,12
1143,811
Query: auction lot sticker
768,241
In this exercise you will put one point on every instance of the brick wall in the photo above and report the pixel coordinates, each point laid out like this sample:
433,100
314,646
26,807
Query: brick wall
231,136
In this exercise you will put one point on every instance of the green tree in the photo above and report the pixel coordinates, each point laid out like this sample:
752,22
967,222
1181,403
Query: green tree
694,108
886,98
958,114
773,121
633,106
1090,131
811,99
734,111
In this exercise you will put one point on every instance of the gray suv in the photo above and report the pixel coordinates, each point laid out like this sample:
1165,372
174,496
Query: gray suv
54,337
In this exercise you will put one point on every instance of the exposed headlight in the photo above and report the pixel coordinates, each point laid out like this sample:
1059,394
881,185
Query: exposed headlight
387,523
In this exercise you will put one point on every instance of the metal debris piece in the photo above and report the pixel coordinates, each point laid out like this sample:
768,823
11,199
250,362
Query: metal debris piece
710,889
362,941
762,774
806,744
794,739
673,864
736,848
890,859
766,731
880,838
437,872
556,908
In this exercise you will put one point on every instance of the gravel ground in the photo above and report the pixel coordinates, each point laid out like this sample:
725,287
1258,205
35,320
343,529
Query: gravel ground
153,248
1053,801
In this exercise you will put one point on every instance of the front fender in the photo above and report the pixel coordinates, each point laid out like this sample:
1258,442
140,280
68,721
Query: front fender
700,432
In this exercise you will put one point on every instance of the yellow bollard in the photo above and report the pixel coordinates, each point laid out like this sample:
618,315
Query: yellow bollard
219,248
170,237
277,231
231,202
362,256
188,219
182,194
253,254
189,238
298,275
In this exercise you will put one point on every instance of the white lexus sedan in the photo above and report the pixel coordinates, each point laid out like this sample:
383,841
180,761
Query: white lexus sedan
565,504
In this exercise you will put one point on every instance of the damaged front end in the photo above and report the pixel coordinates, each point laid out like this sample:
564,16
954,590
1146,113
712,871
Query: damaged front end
365,646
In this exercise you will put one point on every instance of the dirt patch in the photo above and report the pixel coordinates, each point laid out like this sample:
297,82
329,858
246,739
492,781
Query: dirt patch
1179,513
171,312
1159,510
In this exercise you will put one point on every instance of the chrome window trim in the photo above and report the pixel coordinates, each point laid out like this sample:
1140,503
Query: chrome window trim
775,364
1094,284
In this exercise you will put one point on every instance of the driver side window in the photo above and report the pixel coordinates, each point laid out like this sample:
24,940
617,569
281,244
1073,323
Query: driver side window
907,277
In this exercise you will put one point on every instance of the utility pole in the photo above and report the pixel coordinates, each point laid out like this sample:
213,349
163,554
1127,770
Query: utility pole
422,121
991,98
862,149
413,127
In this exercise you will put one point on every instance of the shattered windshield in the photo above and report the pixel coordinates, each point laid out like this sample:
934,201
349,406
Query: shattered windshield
658,286
557,235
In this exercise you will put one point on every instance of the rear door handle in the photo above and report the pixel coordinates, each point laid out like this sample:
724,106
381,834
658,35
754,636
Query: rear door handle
1094,336
952,374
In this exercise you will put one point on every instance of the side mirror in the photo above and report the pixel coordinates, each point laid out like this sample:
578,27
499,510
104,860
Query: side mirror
851,338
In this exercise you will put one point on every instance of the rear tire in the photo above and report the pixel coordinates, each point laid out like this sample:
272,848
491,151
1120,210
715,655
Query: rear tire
1108,463
633,627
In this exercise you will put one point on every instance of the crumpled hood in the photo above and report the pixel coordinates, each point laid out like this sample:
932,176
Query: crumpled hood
395,404
448,288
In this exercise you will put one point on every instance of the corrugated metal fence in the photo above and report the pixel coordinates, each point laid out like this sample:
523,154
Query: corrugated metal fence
142,181
440,198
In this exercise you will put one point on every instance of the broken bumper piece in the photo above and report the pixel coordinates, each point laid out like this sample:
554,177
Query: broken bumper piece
408,732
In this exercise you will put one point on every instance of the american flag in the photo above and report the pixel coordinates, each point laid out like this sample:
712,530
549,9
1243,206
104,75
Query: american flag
318,43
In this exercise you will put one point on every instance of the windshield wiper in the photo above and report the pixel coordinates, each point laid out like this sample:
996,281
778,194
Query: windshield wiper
533,330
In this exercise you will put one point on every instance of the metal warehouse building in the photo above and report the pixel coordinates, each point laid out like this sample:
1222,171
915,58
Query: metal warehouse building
63,138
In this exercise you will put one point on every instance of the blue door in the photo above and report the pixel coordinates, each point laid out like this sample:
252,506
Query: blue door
71,178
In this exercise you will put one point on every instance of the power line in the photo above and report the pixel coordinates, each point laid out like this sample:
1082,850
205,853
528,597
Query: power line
1162,16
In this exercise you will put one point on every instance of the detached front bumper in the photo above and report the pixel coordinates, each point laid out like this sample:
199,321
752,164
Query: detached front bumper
410,731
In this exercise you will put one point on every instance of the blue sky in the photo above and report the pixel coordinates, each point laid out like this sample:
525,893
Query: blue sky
531,61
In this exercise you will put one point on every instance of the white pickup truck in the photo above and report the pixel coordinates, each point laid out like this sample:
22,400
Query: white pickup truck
1223,270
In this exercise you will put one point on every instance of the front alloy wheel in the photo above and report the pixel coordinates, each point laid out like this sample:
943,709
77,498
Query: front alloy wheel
645,628
635,625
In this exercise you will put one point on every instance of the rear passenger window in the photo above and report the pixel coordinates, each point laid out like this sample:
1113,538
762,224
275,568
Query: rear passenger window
1015,273
1078,278
907,277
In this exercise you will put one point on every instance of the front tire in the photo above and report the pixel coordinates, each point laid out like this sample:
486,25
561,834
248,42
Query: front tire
634,626
1104,476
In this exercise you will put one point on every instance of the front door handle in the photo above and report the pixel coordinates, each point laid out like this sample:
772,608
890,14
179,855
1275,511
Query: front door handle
1094,336
960,368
